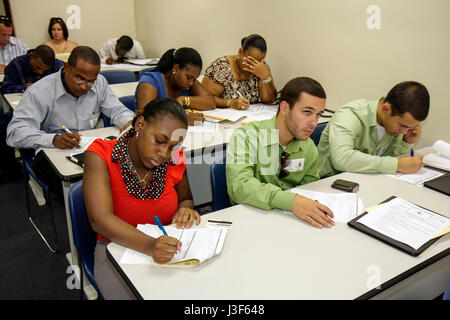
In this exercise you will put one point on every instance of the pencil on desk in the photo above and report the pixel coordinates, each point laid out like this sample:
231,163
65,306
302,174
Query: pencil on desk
205,115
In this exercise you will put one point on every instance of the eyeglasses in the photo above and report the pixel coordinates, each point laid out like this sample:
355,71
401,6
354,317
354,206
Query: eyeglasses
284,160
55,19
5,20
79,80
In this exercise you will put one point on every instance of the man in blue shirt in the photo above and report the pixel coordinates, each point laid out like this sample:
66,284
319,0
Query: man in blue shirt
21,73
75,96
25,70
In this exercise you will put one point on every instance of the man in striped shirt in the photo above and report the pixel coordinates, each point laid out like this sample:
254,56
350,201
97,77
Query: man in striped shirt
10,47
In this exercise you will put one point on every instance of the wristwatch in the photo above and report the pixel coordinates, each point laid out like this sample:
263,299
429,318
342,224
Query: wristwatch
267,80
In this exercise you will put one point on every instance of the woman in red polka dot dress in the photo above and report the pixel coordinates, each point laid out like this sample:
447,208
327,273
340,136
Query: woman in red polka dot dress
129,180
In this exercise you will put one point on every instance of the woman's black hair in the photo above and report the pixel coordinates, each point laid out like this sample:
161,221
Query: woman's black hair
182,57
163,107
254,41
61,23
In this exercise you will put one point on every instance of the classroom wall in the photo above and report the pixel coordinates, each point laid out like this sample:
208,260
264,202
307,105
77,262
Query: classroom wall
328,40
99,20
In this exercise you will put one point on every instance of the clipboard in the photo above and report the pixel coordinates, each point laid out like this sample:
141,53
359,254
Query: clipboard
392,242
440,184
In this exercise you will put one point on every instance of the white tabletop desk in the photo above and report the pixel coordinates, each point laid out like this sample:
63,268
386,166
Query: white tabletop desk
124,89
272,255
124,66
120,90
69,173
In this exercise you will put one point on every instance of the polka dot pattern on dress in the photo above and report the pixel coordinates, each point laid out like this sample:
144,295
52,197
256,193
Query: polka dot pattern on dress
155,188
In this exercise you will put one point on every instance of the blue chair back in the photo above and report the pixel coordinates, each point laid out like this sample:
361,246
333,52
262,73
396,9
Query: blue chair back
118,76
145,70
84,238
446,295
27,156
128,101
315,136
219,185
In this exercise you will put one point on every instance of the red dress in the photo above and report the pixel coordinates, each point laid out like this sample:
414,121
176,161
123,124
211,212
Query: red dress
133,203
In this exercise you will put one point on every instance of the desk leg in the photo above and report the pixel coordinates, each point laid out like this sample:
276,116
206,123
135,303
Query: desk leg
72,256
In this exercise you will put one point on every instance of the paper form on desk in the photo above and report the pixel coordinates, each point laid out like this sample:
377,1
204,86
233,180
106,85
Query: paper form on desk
198,245
418,178
206,126
228,113
345,206
85,142
405,222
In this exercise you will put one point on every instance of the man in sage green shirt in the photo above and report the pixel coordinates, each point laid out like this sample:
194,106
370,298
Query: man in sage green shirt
265,158
371,136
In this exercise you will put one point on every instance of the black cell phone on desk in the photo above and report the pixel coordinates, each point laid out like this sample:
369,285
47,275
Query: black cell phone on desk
77,158
345,185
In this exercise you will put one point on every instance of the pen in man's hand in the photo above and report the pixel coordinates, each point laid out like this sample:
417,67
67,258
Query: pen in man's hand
412,152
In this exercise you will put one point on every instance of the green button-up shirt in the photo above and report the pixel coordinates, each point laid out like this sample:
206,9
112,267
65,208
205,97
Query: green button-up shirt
350,142
253,165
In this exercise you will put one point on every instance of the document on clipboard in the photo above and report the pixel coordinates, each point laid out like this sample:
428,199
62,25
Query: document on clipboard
403,224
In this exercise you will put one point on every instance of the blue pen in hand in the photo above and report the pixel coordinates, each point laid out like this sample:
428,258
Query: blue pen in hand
412,152
160,226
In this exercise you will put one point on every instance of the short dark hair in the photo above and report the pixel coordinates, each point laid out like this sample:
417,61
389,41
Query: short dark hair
45,53
163,107
61,22
6,21
125,43
86,53
182,57
254,41
294,88
409,96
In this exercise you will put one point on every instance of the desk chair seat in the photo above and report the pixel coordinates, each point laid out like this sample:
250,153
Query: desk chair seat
84,238
118,76
27,156
128,101
315,136
219,185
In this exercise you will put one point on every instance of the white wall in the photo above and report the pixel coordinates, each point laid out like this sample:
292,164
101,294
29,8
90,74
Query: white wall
100,20
325,39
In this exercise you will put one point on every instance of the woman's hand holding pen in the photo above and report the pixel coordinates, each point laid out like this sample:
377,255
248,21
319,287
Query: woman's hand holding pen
313,212
67,140
164,248
240,103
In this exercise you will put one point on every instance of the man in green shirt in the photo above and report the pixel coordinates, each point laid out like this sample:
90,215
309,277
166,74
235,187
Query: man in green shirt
265,158
368,136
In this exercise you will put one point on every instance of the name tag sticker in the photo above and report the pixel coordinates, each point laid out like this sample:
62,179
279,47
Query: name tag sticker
295,165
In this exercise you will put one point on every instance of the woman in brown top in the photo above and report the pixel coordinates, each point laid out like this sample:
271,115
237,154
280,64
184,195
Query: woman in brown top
59,35
241,79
